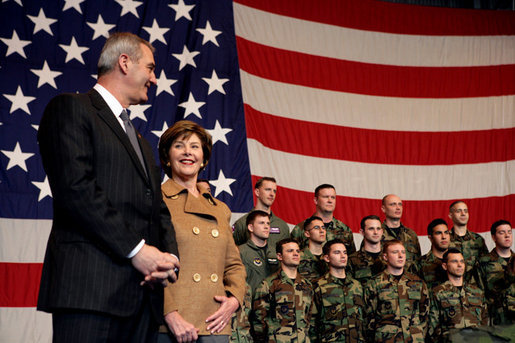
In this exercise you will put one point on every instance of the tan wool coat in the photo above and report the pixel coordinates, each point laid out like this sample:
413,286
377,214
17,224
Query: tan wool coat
210,261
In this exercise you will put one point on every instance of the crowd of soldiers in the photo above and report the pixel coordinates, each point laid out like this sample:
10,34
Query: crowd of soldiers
311,285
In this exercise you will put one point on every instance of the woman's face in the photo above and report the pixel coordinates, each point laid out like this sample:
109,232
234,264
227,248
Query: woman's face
186,156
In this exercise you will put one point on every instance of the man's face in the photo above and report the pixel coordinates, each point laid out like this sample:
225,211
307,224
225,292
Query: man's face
337,257
266,193
315,231
392,207
455,265
395,256
503,236
373,231
140,76
260,227
459,214
290,256
326,200
440,238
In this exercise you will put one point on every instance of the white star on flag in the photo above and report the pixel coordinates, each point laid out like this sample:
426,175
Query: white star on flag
164,84
129,6
208,34
159,133
215,84
46,75
192,107
182,10
16,1
15,44
73,51
155,32
101,28
186,57
19,101
41,22
137,111
44,188
222,184
75,4
218,133
17,157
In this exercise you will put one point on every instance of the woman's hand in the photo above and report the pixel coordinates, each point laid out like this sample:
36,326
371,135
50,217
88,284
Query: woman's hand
182,330
218,320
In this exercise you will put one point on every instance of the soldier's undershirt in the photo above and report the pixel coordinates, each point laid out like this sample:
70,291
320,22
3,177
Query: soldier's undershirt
398,277
507,259
459,288
374,255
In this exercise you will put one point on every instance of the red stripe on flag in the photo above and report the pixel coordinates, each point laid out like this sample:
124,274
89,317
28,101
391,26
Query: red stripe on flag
375,146
293,206
20,284
374,79
395,18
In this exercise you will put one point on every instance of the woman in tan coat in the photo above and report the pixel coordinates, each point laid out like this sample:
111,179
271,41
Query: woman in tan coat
211,282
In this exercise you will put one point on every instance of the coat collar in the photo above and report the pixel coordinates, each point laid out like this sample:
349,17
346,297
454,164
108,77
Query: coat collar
174,191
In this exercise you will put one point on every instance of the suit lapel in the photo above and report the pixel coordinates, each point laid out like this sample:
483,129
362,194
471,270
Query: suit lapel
108,116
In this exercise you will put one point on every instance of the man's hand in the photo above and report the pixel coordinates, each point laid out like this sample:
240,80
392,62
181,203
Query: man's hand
157,266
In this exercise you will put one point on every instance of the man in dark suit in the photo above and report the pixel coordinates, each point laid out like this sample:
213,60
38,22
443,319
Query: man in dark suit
112,246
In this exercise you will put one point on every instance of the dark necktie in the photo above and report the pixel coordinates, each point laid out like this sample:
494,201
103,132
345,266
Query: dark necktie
132,136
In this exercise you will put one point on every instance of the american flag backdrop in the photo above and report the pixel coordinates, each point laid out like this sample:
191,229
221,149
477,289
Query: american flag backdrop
369,96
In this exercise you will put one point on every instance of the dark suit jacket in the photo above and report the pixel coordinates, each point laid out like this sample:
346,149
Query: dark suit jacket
104,204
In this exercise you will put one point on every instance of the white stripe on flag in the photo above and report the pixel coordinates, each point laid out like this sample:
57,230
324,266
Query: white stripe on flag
377,112
368,46
372,181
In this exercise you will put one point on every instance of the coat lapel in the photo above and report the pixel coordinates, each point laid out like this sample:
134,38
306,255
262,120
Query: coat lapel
108,116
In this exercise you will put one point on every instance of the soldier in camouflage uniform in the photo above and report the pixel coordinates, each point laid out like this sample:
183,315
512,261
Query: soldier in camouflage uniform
493,270
265,190
394,229
455,304
338,301
471,244
325,202
312,266
240,324
396,302
429,267
368,262
257,257
282,303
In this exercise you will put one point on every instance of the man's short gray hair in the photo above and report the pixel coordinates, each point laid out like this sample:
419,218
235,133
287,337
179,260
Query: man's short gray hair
120,43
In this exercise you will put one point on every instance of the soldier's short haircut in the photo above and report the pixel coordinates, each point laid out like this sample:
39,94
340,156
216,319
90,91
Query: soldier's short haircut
434,223
387,244
450,251
310,220
254,214
279,245
323,186
327,246
493,228
263,179
454,203
362,223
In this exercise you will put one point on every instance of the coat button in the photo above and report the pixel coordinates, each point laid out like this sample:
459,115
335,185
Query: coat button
196,277
215,233
214,277
196,230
